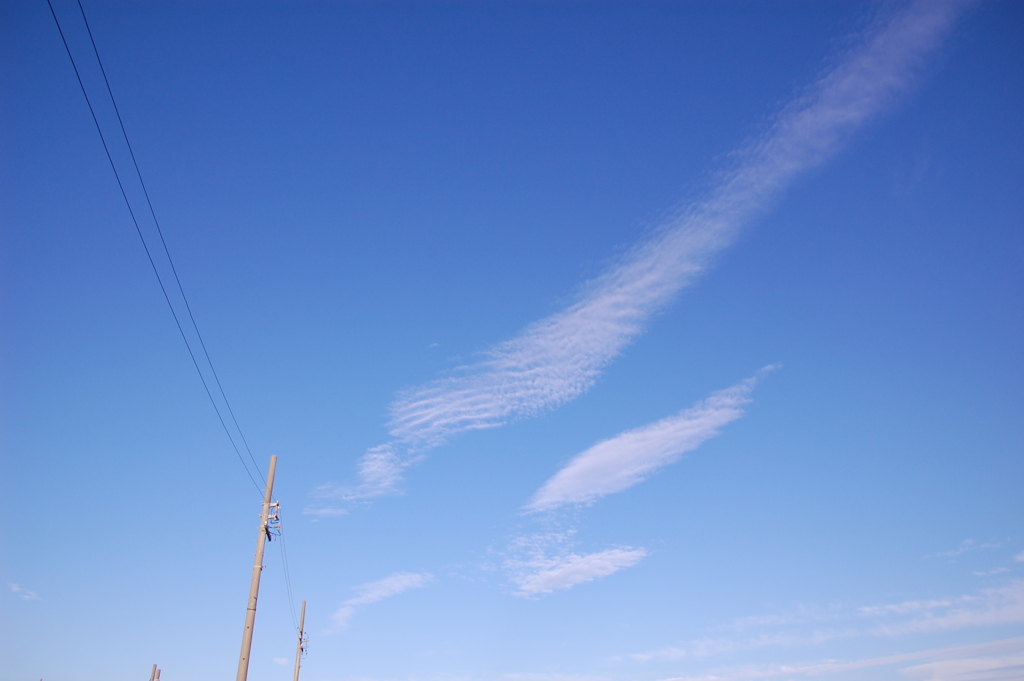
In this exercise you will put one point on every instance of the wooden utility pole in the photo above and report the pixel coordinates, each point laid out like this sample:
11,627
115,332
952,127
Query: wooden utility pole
301,647
257,568
152,674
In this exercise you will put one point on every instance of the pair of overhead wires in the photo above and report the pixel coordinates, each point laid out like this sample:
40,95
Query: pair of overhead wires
287,577
177,281
163,244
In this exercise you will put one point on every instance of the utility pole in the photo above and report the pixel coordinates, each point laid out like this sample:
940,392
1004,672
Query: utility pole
301,647
152,674
257,568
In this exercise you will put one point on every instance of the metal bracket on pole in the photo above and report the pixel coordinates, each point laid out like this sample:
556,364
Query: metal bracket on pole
273,526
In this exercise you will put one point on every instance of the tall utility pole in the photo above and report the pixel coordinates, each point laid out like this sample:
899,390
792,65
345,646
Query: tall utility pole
257,568
301,647
152,675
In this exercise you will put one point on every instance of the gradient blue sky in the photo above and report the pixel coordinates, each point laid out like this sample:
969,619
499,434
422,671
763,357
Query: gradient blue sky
597,341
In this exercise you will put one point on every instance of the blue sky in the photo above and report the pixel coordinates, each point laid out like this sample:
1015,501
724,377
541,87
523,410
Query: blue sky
597,341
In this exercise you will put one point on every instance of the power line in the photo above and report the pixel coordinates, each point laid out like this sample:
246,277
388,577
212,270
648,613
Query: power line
149,254
163,242
267,488
287,574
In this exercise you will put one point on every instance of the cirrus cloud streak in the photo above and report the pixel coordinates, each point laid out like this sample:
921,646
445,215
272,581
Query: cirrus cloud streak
371,592
543,575
558,358
628,458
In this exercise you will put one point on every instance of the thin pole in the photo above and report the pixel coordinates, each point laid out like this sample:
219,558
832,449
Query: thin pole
152,674
298,648
257,568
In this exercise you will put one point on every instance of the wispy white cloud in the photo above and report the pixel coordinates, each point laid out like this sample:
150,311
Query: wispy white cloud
318,512
371,592
1000,605
542,576
281,661
607,467
966,546
993,571
546,562
380,471
558,358
812,626
1019,557
24,594
628,458
987,668
1000,660
540,676
964,663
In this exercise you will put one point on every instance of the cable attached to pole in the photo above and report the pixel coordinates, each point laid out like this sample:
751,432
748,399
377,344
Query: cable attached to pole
287,575
163,242
268,482
149,254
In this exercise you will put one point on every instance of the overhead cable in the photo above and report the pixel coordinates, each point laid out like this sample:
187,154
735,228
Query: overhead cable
149,254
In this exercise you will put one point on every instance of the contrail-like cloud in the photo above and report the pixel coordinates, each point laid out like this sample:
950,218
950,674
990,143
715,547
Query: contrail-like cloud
543,576
371,592
630,457
542,563
546,562
813,626
560,357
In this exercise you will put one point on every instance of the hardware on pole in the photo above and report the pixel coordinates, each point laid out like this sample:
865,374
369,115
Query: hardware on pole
300,649
267,523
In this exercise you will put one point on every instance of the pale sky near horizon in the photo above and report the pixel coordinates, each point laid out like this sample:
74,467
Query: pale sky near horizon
611,341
